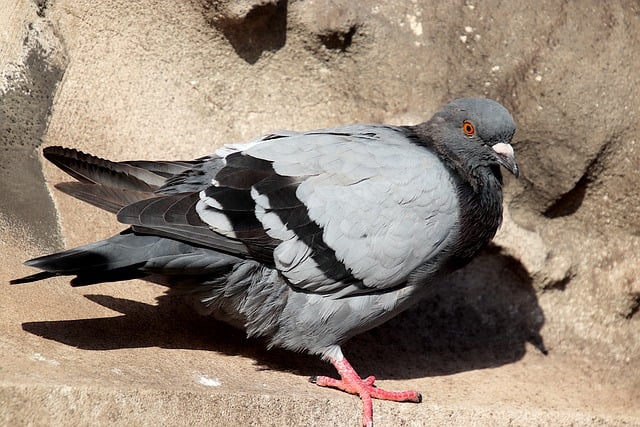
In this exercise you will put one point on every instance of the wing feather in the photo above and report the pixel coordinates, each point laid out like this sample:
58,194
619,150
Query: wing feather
366,193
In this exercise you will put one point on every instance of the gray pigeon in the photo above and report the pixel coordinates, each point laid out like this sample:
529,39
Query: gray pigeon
303,238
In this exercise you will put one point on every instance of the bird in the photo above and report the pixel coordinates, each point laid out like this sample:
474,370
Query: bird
305,239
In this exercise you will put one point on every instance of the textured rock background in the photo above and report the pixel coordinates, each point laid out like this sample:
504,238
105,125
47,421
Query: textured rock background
152,79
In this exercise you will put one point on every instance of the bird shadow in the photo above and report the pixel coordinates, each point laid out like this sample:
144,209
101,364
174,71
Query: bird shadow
479,317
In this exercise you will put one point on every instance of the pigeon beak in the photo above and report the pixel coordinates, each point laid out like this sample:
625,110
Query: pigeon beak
505,156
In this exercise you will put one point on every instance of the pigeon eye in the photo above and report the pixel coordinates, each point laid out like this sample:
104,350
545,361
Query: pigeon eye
468,128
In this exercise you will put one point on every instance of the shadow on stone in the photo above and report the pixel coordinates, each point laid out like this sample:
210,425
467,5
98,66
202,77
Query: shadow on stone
338,40
262,28
480,317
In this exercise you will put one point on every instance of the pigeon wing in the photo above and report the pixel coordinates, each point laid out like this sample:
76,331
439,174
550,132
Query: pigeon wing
341,211
349,210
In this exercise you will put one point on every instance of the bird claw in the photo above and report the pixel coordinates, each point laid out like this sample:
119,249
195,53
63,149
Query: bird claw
366,389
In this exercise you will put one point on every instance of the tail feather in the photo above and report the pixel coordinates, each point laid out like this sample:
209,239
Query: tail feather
162,255
129,256
98,258
33,278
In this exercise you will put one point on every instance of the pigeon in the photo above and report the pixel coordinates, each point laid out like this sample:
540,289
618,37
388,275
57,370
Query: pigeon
305,239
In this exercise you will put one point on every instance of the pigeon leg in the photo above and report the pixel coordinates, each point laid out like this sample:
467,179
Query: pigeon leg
351,382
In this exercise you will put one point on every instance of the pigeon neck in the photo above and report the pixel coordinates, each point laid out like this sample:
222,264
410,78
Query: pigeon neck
480,214
479,186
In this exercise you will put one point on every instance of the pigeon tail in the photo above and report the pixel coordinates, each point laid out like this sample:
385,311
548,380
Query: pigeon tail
128,256
90,264
32,278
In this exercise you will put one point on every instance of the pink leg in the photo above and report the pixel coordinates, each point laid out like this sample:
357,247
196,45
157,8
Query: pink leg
351,382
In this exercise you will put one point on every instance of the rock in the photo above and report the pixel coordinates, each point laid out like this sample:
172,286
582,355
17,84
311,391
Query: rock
333,22
227,11
548,269
31,66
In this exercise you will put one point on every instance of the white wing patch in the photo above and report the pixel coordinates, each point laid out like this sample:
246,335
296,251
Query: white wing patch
292,257
209,210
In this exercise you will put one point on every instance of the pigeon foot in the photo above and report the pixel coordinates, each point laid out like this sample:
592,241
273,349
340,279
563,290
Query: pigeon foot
351,382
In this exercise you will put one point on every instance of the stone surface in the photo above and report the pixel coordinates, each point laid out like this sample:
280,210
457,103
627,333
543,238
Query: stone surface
31,65
151,79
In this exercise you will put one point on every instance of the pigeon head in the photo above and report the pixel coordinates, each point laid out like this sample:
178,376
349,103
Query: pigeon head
481,127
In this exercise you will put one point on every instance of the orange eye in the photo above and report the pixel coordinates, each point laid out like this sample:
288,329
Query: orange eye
468,129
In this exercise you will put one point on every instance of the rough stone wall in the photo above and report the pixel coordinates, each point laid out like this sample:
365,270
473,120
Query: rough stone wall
153,79
31,65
